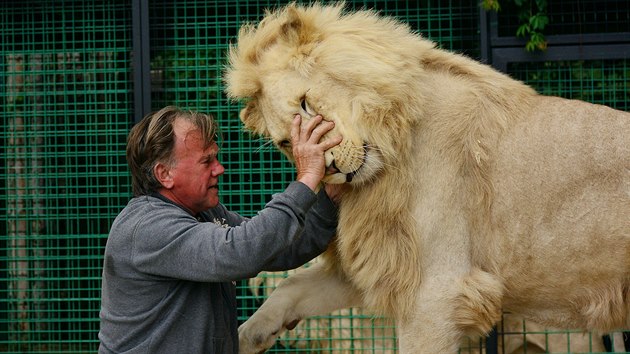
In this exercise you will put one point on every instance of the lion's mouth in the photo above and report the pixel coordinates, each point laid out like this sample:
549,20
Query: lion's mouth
332,169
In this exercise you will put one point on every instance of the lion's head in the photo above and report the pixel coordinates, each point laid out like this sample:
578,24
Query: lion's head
314,60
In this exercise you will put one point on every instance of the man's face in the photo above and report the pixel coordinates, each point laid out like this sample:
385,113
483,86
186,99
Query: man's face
195,174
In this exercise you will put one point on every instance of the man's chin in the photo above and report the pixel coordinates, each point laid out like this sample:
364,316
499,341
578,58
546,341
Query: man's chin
213,200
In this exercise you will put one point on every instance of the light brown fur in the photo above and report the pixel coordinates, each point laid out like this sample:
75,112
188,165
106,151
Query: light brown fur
474,193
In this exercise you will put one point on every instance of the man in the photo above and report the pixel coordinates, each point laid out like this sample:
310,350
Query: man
174,251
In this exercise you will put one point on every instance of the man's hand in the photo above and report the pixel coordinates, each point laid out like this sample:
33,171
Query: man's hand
308,150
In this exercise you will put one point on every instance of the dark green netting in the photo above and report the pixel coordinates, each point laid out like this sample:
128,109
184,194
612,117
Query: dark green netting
66,93
66,105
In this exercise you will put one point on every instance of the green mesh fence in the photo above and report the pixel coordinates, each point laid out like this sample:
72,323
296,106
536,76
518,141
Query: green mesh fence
598,81
67,105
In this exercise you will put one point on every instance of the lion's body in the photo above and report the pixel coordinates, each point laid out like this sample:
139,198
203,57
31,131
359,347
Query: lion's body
473,193
563,224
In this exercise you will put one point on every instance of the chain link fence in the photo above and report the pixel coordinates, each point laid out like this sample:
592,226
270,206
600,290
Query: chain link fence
67,98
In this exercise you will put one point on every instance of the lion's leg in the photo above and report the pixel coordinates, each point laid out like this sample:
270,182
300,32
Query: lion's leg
431,328
449,307
317,290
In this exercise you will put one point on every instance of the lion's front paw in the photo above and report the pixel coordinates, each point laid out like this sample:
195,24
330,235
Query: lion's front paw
260,332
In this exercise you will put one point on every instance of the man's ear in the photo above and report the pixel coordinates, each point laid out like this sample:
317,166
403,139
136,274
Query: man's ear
163,175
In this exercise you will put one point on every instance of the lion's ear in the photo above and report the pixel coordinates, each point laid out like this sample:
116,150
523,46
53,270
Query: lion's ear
297,29
240,77
253,119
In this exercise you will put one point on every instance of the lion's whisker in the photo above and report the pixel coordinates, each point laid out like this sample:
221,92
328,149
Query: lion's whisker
264,146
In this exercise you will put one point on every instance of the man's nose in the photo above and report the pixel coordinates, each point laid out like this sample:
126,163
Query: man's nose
218,169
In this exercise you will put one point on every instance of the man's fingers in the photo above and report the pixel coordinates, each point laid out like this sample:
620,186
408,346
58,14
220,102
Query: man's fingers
295,127
310,127
321,130
332,142
312,131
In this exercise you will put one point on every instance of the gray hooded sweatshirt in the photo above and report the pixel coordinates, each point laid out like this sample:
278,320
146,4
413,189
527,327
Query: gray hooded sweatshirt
168,276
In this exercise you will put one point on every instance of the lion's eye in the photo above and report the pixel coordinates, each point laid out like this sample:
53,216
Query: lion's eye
285,144
306,108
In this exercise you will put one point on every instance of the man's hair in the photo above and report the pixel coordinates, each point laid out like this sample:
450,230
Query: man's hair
152,140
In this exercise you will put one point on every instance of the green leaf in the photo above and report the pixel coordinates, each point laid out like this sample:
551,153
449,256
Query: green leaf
538,21
537,37
534,21
532,17
530,46
523,30
491,5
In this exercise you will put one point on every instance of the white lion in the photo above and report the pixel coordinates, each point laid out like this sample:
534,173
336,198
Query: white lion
469,192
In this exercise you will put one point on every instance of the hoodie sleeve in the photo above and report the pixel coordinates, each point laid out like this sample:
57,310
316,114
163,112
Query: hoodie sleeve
320,227
167,242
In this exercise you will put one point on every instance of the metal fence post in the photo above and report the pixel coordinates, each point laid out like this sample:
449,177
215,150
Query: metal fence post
141,54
